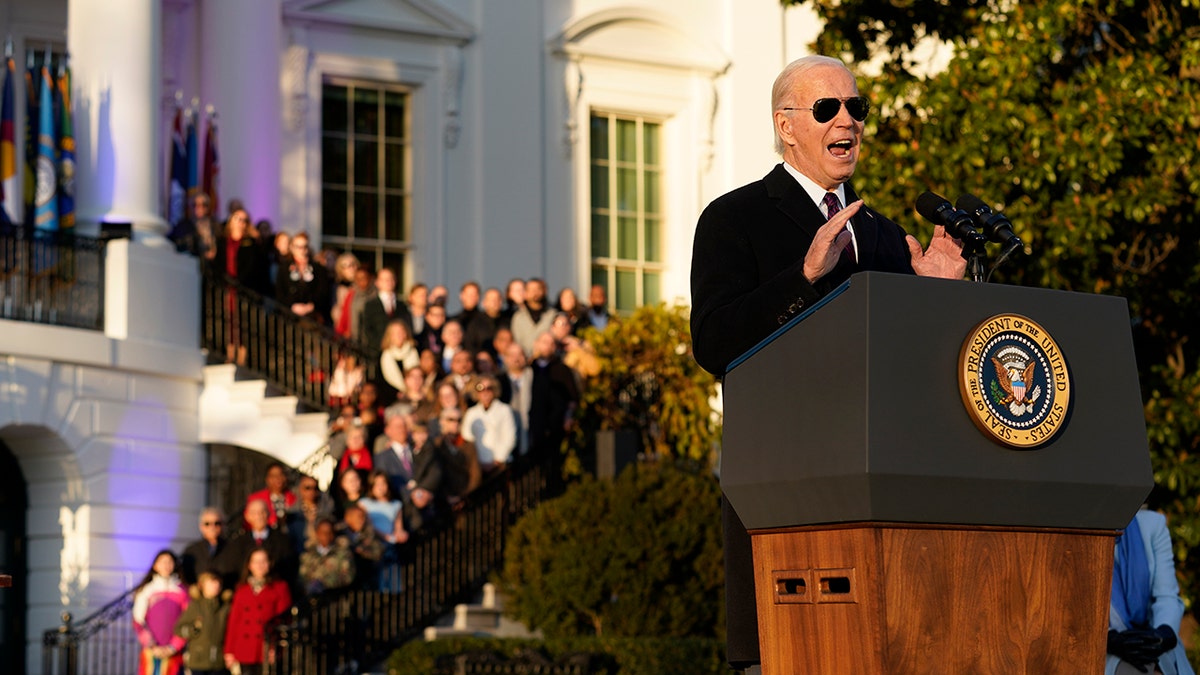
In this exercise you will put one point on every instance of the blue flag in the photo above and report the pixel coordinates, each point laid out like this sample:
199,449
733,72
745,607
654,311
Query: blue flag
46,194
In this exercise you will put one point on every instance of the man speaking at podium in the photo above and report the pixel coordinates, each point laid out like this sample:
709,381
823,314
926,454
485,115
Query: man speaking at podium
767,251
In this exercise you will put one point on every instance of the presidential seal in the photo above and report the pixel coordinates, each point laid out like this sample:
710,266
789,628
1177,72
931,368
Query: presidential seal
1014,381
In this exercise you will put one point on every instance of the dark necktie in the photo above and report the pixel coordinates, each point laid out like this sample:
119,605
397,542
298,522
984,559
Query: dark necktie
832,206
406,459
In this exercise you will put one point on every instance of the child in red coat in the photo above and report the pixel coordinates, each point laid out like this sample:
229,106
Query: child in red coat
258,599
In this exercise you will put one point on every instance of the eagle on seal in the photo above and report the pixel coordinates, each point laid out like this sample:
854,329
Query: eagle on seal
1012,381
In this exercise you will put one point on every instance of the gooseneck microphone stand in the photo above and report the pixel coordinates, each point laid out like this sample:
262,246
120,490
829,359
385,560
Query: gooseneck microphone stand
973,253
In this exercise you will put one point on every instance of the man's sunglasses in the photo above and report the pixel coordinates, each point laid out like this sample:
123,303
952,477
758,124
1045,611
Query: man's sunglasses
825,109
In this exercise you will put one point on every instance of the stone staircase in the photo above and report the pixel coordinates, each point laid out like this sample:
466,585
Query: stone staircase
243,413
484,618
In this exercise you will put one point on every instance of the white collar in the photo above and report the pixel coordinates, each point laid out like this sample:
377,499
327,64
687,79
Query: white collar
815,192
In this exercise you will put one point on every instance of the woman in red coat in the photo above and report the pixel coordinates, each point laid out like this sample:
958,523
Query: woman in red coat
258,599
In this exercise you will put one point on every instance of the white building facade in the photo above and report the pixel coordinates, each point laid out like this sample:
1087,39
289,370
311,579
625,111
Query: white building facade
453,140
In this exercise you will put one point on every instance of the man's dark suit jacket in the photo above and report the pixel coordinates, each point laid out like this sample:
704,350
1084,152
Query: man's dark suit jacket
199,557
231,562
375,319
748,263
426,471
747,280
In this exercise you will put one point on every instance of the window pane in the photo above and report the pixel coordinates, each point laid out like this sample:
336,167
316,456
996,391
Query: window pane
627,238
653,238
626,141
366,175
650,149
600,278
394,260
651,182
366,111
627,189
366,215
366,256
333,212
600,237
395,210
651,288
394,166
394,104
626,291
366,163
628,195
599,187
333,161
333,108
599,137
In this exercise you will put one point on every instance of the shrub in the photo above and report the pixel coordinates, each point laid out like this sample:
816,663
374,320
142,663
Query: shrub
611,656
649,382
637,556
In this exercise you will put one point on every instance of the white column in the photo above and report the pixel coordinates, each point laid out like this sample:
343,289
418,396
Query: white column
240,48
114,50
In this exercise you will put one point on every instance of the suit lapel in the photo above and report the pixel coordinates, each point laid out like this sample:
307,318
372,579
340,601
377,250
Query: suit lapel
866,230
793,201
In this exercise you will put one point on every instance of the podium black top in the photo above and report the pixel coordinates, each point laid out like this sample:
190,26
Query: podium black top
854,414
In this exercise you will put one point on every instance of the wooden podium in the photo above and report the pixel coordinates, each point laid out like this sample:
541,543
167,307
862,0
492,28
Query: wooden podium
890,533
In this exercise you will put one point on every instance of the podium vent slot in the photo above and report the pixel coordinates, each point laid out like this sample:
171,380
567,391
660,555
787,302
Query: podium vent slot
835,585
792,586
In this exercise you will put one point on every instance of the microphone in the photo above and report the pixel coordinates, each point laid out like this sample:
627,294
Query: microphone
995,226
938,211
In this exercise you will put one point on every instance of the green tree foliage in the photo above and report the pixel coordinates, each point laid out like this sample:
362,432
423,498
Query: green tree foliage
1080,120
633,557
649,382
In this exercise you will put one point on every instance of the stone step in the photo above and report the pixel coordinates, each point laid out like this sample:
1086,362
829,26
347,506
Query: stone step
435,632
246,391
278,406
476,617
222,374
316,424
482,619
241,412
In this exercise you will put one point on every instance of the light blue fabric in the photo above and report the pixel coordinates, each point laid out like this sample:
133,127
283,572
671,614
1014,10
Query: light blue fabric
1131,578
1165,605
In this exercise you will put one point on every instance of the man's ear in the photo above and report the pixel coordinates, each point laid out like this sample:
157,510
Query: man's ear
783,125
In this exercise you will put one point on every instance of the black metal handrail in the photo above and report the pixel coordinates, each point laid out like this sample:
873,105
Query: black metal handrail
341,631
295,355
103,642
54,278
